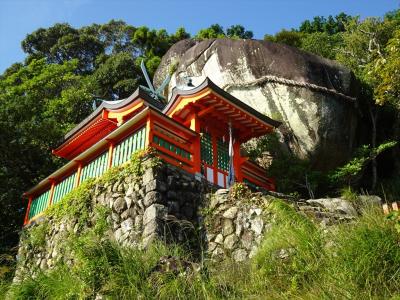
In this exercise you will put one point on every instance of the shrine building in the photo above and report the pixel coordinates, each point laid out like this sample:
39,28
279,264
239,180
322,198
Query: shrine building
190,132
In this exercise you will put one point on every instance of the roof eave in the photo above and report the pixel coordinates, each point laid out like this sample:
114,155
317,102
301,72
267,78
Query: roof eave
139,93
207,83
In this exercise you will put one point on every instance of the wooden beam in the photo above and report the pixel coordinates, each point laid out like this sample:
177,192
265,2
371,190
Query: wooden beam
205,111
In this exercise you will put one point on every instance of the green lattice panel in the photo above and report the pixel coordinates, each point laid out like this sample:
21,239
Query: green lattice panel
39,204
206,149
63,188
223,155
171,147
95,168
124,150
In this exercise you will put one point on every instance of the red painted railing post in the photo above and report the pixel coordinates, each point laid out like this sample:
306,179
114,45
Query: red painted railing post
28,210
195,126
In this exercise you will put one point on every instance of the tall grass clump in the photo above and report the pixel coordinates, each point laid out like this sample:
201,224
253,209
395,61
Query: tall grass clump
60,283
365,258
102,267
291,256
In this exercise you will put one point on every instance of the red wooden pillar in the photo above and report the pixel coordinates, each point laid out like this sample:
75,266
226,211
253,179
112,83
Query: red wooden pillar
149,131
195,126
237,161
27,210
215,157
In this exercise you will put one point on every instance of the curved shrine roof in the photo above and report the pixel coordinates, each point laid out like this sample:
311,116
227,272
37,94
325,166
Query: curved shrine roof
217,105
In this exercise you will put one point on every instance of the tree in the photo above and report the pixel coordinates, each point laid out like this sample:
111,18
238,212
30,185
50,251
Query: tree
363,48
239,32
116,78
330,25
322,44
62,43
212,32
291,38
39,102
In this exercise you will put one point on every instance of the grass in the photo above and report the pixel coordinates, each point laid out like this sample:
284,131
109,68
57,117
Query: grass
296,260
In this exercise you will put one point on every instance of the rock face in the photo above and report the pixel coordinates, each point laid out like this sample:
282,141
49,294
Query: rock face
313,96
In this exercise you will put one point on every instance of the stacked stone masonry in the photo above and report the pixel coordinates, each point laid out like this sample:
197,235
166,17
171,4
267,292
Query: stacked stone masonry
171,205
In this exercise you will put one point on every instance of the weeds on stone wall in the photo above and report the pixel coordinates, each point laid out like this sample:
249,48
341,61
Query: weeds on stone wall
77,203
36,236
239,191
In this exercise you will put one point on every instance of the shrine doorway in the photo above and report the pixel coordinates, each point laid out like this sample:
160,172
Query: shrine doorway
215,158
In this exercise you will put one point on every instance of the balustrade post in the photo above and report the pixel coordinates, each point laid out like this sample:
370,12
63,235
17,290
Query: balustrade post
53,185
78,175
28,210
110,155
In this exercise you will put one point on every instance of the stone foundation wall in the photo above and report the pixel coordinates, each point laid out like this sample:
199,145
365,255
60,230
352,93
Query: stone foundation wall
159,205
171,205
236,227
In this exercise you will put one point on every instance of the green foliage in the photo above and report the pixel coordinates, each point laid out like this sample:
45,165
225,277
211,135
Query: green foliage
296,260
364,155
386,73
365,258
349,194
330,25
101,224
105,268
78,203
291,38
322,44
217,31
239,32
239,190
394,218
214,31
75,205
36,235
290,256
142,160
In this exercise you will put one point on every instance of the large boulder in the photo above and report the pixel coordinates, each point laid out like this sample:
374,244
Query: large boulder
313,96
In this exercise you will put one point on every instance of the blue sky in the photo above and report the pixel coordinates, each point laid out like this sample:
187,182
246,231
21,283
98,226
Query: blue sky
20,17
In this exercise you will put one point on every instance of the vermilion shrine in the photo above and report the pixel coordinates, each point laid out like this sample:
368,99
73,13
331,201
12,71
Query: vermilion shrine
191,132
